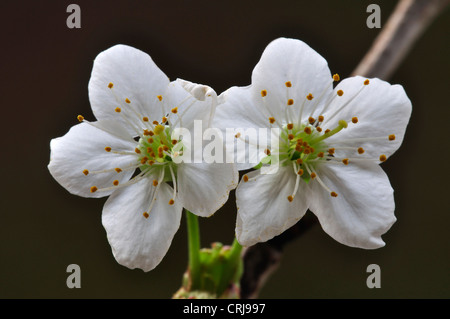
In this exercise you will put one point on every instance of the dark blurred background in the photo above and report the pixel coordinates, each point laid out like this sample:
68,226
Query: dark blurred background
45,72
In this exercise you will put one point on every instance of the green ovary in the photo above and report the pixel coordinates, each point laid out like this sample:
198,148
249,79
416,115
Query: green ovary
155,151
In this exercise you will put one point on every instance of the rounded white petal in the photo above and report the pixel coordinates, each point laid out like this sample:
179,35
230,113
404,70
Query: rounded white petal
289,60
136,241
134,76
263,208
82,151
195,105
363,209
382,110
204,188
241,120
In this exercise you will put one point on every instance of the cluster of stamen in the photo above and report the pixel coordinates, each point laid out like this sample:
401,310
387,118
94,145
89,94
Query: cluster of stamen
304,145
154,151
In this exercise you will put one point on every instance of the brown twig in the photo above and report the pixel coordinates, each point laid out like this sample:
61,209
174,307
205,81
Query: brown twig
408,21
406,24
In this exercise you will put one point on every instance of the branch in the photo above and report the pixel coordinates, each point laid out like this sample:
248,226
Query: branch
406,24
408,21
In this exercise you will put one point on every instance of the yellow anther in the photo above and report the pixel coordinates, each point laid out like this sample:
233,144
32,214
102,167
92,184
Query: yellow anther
151,162
320,154
327,131
333,194
290,102
80,118
313,175
108,149
320,118
340,92
391,137
267,151
116,182
155,122
290,198
288,84
174,110
383,158
159,129
150,141
137,150
171,201
110,85
310,96
271,120
307,130
164,120
118,170
290,126
245,178
263,93
311,120
94,189
118,109
86,172
238,134
155,182
336,77
145,214
291,137
146,132
300,172
144,160
127,100
331,151
299,161
354,120
345,161
366,82
159,97
360,150
145,119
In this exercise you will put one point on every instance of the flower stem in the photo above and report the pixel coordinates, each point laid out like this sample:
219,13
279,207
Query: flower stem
236,249
194,249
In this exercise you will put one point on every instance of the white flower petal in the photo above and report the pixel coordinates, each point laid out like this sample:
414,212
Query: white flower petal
382,109
240,118
289,60
83,148
263,208
136,241
194,102
363,209
204,188
135,77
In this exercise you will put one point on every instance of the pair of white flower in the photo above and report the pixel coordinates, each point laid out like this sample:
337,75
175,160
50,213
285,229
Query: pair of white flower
331,143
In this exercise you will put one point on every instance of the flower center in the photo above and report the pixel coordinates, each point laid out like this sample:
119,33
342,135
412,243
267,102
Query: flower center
155,149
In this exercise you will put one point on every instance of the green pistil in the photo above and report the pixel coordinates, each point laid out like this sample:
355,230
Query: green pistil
305,145
342,124
160,144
